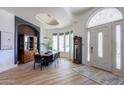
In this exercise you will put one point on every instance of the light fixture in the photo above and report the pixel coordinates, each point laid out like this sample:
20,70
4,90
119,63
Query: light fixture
47,18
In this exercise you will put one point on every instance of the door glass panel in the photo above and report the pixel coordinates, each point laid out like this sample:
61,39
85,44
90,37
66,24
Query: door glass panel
88,46
118,47
100,44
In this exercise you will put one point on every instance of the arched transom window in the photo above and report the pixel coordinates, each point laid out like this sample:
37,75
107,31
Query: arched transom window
106,15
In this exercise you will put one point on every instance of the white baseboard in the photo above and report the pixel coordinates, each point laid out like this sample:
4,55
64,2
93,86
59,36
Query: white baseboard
7,68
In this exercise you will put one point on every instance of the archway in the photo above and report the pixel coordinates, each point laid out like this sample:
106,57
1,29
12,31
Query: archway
103,16
27,43
35,29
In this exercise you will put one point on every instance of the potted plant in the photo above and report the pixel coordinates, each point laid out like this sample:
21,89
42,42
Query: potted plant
47,44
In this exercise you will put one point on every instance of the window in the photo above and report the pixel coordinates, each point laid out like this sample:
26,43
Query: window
88,46
61,42
100,44
67,42
118,46
106,15
55,42
71,41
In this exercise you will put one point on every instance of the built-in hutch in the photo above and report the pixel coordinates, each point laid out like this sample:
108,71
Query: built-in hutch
27,44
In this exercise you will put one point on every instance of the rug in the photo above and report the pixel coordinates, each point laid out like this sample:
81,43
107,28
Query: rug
100,76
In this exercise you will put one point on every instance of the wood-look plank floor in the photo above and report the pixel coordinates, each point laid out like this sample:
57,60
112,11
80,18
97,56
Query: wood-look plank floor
62,74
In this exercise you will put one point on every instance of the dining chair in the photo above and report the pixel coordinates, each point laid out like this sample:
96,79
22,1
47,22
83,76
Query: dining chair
54,58
38,59
58,57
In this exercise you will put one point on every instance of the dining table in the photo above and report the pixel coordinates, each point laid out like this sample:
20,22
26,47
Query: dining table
48,57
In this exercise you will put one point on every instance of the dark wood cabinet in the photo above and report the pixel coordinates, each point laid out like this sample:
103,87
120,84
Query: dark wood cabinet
28,39
27,48
77,52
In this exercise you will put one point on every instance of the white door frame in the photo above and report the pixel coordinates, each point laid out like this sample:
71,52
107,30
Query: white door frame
114,70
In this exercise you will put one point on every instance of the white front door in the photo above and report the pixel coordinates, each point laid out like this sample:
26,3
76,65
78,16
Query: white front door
100,47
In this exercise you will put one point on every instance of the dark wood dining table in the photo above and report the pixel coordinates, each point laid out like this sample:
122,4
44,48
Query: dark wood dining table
48,57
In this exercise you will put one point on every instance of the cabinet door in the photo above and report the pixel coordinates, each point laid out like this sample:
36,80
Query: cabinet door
21,42
35,39
26,42
35,43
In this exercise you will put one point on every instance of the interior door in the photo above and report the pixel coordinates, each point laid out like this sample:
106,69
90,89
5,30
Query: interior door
100,47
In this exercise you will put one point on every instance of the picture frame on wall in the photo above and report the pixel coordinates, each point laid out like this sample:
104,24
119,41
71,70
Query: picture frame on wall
6,41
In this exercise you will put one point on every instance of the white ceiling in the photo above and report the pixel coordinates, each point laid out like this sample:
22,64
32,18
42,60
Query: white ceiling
65,16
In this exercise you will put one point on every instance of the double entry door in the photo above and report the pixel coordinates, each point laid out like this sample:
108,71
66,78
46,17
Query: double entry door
104,49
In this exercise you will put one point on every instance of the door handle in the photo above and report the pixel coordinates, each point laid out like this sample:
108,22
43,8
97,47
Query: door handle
91,49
